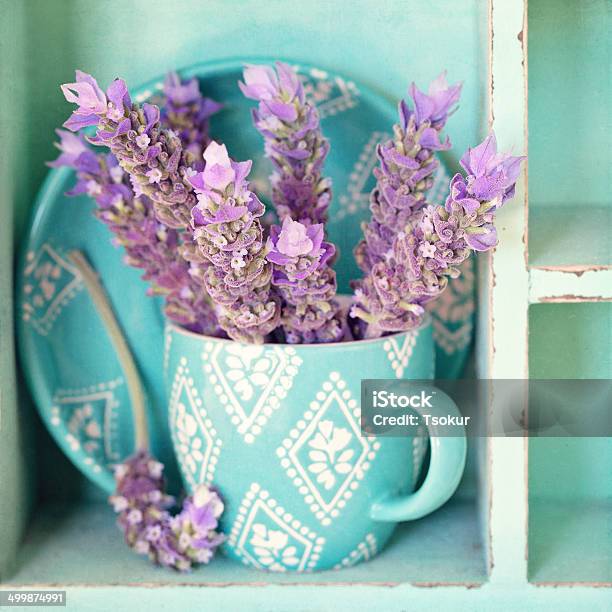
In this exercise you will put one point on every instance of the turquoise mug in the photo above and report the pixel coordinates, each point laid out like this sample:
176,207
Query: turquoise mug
276,428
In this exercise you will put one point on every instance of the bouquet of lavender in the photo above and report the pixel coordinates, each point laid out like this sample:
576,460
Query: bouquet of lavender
185,213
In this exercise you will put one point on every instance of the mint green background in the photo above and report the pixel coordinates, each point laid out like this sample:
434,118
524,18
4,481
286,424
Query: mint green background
384,44
570,479
570,137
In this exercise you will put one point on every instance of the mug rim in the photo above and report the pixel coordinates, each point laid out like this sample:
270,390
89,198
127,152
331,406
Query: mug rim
427,321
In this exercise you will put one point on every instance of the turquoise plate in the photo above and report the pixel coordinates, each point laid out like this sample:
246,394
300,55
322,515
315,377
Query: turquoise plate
70,365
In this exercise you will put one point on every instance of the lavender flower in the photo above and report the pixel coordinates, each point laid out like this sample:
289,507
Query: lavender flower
229,235
305,282
154,157
435,241
187,112
149,529
407,165
293,142
148,244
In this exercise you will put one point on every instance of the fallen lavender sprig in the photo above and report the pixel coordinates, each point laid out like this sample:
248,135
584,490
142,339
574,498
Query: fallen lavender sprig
148,244
293,142
229,235
407,165
431,246
310,312
142,505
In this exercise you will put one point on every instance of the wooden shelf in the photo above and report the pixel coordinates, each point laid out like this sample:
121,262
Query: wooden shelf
574,239
81,545
570,284
570,542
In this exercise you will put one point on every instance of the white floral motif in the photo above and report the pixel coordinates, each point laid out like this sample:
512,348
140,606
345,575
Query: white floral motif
325,455
331,95
248,369
195,438
266,536
87,418
50,283
84,424
271,548
356,200
189,444
250,381
452,316
327,442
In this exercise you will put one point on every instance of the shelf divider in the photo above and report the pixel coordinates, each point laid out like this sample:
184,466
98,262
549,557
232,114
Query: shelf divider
504,295
549,285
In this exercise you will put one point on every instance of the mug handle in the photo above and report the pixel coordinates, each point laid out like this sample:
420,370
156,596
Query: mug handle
446,466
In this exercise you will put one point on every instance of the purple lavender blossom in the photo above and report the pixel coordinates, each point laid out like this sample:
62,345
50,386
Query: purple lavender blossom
149,529
435,242
438,103
491,175
154,158
305,282
148,244
187,112
229,235
407,166
293,142
88,97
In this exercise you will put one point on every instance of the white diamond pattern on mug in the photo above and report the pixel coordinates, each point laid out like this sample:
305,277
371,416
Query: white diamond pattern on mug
268,537
250,381
325,455
399,356
363,552
195,438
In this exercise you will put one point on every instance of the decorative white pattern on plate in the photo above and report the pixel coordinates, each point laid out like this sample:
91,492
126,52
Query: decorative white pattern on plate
451,341
455,306
325,455
439,190
250,381
400,356
360,183
363,552
195,439
331,95
49,285
268,537
88,417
